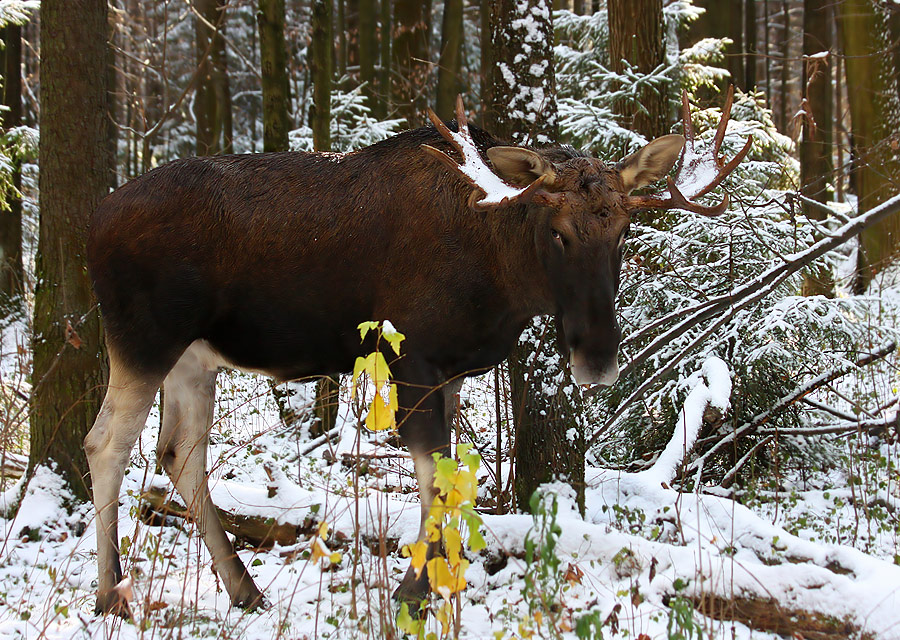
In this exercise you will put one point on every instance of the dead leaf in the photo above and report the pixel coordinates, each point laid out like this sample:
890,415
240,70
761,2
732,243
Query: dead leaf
574,574
72,336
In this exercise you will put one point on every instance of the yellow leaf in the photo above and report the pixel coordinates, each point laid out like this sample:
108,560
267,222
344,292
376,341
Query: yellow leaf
433,529
358,369
335,557
323,529
443,579
380,416
364,328
418,552
452,545
319,550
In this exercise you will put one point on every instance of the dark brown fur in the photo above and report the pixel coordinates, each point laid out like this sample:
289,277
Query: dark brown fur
274,259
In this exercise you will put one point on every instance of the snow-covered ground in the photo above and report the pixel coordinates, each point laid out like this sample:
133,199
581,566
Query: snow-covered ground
644,560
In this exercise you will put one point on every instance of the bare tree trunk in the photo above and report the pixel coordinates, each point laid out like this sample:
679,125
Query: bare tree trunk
450,66
384,78
341,62
11,273
410,55
212,103
724,18
368,52
549,436
321,63
67,376
874,111
816,167
749,51
636,36
276,95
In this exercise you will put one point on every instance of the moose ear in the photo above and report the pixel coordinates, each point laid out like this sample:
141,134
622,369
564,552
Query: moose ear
521,166
651,162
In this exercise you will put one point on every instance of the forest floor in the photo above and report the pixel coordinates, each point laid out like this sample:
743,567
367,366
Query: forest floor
816,559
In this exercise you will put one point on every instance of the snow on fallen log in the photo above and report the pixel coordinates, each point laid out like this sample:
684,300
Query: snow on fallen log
716,391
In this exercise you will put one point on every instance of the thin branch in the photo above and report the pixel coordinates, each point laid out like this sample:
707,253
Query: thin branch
738,299
819,381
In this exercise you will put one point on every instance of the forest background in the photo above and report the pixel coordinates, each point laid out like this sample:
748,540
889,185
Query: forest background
759,356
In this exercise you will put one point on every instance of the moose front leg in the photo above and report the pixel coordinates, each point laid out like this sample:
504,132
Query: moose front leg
425,429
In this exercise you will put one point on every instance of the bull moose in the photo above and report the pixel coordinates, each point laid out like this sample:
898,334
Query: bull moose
268,262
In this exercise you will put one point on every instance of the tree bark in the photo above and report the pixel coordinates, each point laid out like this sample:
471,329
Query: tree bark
11,273
816,167
368,51
549,437
636,36
212,103
410,60
874,112
276,95
723,19
449,85
67,376
384,77
321,63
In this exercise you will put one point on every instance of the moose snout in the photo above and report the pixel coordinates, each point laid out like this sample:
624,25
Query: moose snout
594,359
585,370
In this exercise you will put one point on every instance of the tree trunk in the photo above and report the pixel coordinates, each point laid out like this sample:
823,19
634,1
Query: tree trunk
384,77
276,95
723,19
368,51
545,402
636,36
11,273
449,85
487,60
410,61
874,111
816,167
68,377
212,102
785,117
749,51
341,61
321,63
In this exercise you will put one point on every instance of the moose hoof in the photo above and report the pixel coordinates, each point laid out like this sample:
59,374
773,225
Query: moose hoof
112,603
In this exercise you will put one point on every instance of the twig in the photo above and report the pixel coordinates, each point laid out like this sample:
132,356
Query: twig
749,427
837,413
840,427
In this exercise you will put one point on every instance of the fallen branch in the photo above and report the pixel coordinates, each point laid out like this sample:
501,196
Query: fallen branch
12,465
257,531
839,427
769,615
819,381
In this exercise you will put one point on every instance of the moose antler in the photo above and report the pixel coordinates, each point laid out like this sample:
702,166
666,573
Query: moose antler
496,191
698,173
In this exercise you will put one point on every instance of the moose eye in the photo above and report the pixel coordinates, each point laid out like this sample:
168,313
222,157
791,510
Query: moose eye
558,236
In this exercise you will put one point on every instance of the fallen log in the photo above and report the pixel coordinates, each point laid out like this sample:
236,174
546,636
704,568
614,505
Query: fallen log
157,505
770,616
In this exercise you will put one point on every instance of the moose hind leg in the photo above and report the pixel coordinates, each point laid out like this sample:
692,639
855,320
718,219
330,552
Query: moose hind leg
189,395
108,445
